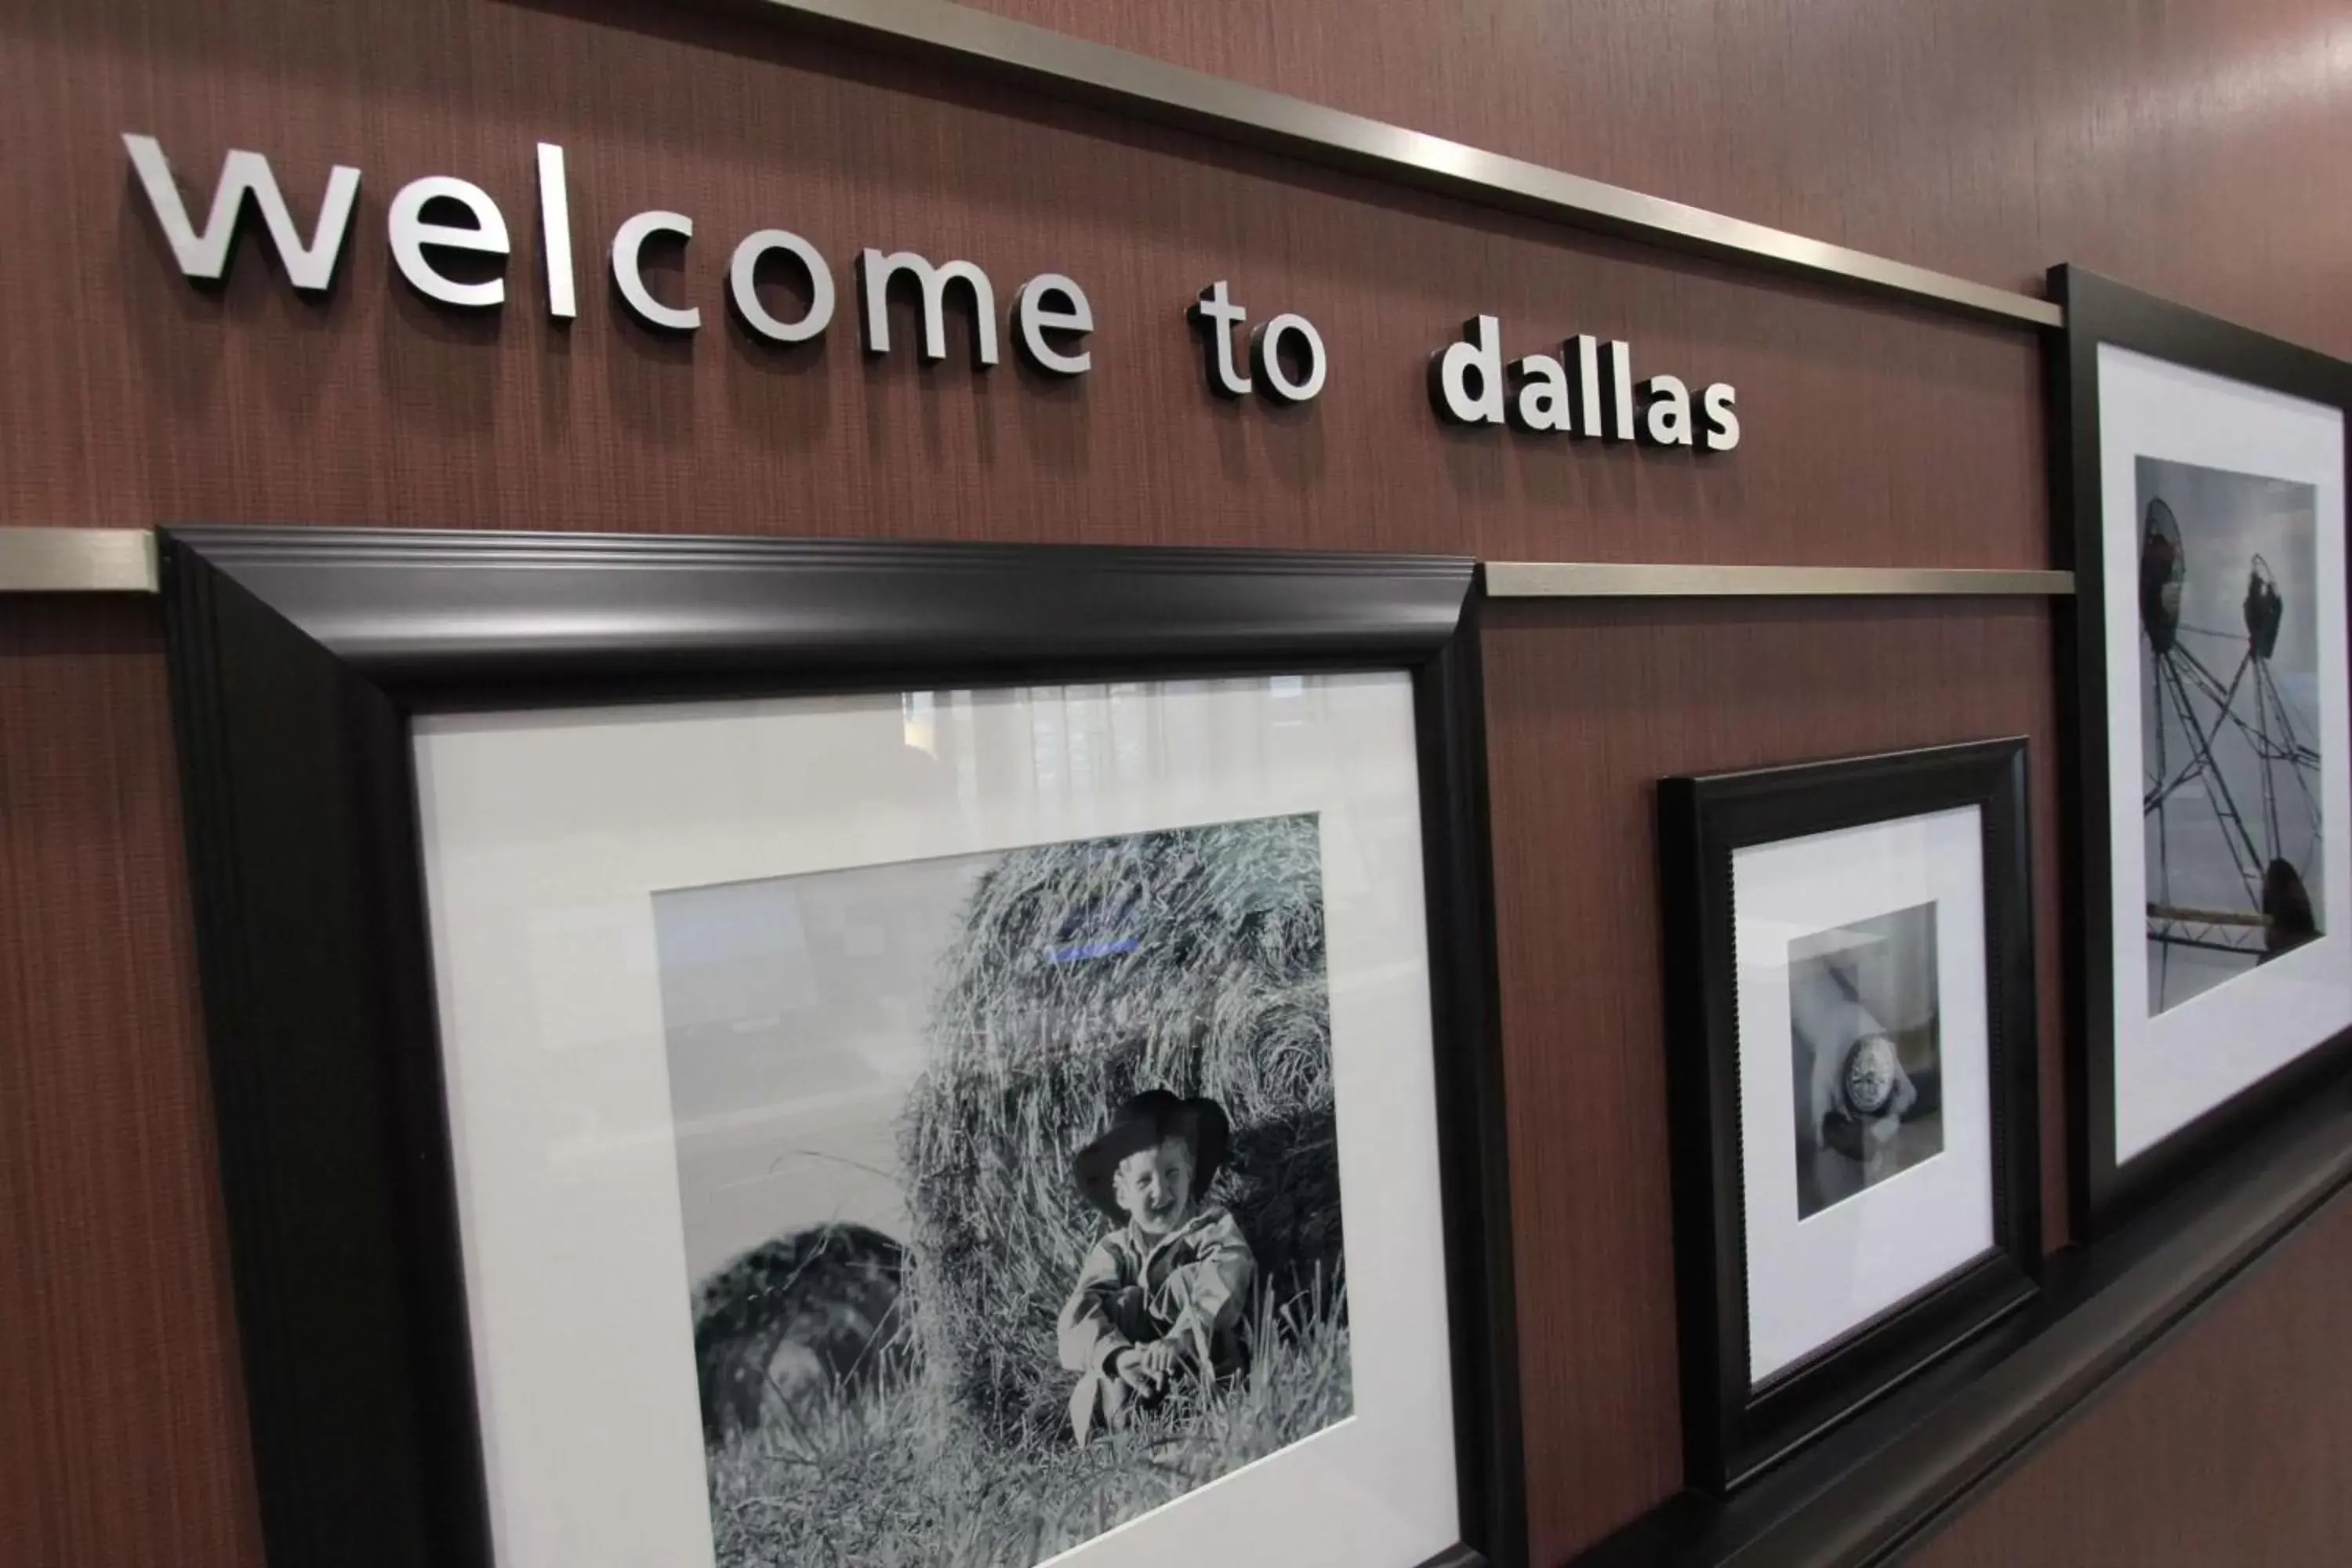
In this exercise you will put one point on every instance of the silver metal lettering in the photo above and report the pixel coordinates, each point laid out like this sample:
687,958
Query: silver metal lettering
744,291
555,231
1478,356
874,271
1722,424
411,235
1266,358
1216,316
628,242
1035,312
309,268
1666,417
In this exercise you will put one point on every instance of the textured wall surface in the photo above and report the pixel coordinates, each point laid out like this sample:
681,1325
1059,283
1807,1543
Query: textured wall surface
2176,145
2231,1447
1872,433
122,1425
2182,145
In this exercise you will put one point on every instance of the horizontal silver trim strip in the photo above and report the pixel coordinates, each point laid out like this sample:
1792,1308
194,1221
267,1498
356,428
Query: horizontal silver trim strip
1096,73
1592,580
122,561
77,561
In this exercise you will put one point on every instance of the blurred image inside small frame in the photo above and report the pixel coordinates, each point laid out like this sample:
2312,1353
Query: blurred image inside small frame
1849,973
2201,469
736,1052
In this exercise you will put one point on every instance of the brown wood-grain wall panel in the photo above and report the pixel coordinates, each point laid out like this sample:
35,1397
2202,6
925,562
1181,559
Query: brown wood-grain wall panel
2231,1447
122,1423
1588,705
1873,435
2131,134
2184,145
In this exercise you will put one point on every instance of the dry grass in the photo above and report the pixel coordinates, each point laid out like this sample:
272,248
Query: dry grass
879,1482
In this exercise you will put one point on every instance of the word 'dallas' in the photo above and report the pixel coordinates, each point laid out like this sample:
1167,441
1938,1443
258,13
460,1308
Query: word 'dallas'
1588,390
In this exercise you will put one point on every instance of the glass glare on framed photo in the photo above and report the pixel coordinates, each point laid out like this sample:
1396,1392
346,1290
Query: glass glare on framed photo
1011,1188
1868,1074
2229,731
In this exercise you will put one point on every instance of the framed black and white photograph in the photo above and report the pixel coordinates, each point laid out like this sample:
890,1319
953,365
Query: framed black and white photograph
2202,472
746,1053
1865,1057
1848,965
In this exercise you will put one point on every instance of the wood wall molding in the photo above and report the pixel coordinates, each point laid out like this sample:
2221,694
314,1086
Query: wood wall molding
1984,141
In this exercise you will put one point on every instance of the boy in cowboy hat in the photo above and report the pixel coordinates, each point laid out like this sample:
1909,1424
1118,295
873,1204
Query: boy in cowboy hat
1163,1293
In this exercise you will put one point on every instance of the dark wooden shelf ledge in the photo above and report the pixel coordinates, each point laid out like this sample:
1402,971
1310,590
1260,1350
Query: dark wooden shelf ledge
1877,1486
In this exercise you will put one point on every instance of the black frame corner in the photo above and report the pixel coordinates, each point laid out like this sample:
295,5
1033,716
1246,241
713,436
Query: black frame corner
1732,1433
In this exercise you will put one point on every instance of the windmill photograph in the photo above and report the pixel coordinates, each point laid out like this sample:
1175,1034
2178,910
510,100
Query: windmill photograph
2229,723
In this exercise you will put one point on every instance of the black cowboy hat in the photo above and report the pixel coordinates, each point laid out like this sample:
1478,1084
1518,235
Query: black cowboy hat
1145,1123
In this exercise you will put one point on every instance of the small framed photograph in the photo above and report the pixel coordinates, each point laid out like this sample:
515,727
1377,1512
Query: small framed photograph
2201,469
740,1053
1852,1039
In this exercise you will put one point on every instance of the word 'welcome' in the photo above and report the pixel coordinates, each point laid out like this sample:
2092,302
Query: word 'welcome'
439,213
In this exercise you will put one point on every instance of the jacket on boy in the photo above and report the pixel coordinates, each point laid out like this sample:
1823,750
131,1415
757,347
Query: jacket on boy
1189,1287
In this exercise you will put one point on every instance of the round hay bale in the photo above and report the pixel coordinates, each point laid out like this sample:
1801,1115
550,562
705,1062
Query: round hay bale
794,1321
1190,960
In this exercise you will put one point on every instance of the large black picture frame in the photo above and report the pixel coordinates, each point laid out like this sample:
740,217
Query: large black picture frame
2099,310
1731,1432
299,659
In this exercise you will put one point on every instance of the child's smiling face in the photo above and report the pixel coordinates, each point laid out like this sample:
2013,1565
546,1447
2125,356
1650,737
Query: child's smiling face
1154,1186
